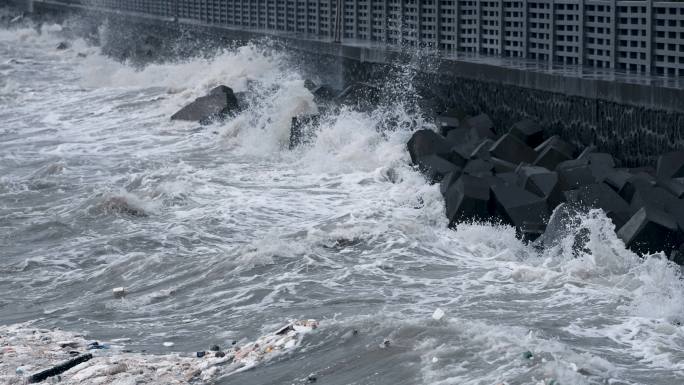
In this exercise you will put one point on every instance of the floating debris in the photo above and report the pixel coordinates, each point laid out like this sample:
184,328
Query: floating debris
119,292
72,360
438,314
168,344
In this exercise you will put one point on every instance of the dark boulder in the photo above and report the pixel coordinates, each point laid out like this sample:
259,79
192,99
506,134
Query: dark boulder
541,182
479,167
600,196
218,104
673,186
550,157
324,93
435,167
511,149
482,150
650,196
468,199
427,142
585,153
62,46
502,166
449,180
574,174
303,129
360,95
446,122
635,183
559,144
309,84
670,165
617,178
519,207
482,126
650,230
529,132
458,136
677,255
601,165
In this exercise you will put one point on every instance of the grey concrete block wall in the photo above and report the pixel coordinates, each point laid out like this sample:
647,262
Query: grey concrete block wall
643,36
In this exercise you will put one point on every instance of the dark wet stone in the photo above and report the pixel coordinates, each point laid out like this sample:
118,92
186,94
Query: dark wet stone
446,123
600,196
559,144
649,230
449,180
361,95
529,132
324,93
215,348
218,104
650,196
479,167
550,157
677,255
574,174
511,149
502,166
541,182
481,151
303,129
601,165
62,46
482,126
519,207
670,165
427,142
617,179
673,186
585,152
635,183
467,198
435,167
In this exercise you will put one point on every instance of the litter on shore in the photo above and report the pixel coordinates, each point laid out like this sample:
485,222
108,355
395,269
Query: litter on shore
30,355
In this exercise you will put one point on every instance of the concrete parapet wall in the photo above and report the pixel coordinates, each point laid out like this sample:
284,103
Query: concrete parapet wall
634,119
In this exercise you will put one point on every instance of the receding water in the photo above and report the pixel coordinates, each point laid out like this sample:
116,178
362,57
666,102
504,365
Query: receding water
221,233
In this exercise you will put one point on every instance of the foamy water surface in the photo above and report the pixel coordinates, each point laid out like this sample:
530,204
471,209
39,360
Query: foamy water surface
222,233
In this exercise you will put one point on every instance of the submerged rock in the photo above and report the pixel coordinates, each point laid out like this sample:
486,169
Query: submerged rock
217,105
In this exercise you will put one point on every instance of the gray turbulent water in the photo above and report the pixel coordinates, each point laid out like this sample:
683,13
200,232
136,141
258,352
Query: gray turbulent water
222,233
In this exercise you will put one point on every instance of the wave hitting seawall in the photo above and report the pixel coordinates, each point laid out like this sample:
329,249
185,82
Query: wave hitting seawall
222,233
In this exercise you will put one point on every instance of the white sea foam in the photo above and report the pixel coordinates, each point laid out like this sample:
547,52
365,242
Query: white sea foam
241,229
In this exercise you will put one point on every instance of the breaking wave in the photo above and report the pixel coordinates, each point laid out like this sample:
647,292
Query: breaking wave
222,232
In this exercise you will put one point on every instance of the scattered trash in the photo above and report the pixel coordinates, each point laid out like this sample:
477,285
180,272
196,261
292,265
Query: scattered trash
119,292
385,343
528,355
20,344
168,344
286,338
59,369
438,314
67,344
96,346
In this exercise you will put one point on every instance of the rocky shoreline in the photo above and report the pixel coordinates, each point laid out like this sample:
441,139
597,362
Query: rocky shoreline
525,178
539,183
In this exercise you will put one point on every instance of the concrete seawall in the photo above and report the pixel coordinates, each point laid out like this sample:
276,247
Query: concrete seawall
634,117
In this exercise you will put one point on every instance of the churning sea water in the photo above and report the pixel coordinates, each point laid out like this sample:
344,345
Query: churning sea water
222,233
